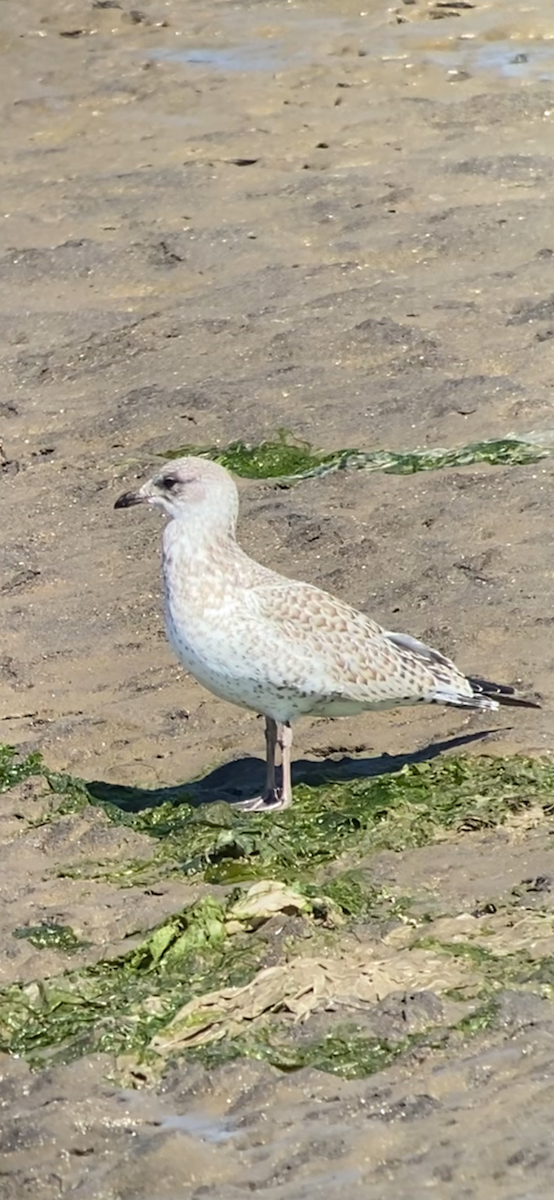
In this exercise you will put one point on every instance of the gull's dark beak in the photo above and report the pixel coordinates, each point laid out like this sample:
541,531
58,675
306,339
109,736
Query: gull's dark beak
128,499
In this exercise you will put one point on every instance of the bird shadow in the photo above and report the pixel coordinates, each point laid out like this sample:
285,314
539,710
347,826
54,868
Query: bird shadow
242,777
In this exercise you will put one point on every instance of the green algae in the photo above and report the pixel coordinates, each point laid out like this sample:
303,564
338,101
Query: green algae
119,1004
409,807
345,1051
50,936
484,1017
282,457
339,819
14,769
518,969
358,899
290,460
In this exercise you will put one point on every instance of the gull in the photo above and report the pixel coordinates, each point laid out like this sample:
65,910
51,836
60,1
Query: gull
281,647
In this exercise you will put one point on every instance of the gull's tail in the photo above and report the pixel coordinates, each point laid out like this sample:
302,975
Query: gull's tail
451,686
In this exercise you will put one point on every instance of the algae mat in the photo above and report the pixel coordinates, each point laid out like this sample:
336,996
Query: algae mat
341,942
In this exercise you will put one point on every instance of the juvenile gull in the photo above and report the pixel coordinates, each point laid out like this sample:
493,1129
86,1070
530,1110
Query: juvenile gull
275,645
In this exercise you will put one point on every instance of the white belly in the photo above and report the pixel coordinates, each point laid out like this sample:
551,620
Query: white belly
232,676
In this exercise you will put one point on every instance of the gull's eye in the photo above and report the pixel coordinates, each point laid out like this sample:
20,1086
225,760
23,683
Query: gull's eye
169,483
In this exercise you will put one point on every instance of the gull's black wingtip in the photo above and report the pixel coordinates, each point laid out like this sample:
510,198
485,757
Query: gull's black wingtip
504,695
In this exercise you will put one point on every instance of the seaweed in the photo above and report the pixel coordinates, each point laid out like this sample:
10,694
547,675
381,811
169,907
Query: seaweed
320,852
290,460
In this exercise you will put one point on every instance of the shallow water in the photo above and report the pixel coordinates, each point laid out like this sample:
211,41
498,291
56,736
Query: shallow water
257,55
519,46
207,1128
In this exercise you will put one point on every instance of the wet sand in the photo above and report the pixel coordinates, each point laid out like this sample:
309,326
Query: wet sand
219,222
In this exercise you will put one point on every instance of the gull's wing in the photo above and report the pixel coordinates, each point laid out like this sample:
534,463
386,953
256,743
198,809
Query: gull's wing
331,649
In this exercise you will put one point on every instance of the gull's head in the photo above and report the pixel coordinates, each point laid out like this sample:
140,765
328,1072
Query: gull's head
192,490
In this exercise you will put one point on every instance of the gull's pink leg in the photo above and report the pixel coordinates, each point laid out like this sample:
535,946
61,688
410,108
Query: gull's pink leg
284,738
271,735
274,798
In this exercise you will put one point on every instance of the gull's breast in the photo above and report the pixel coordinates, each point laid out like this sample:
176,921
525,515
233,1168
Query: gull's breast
231,672
210,640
